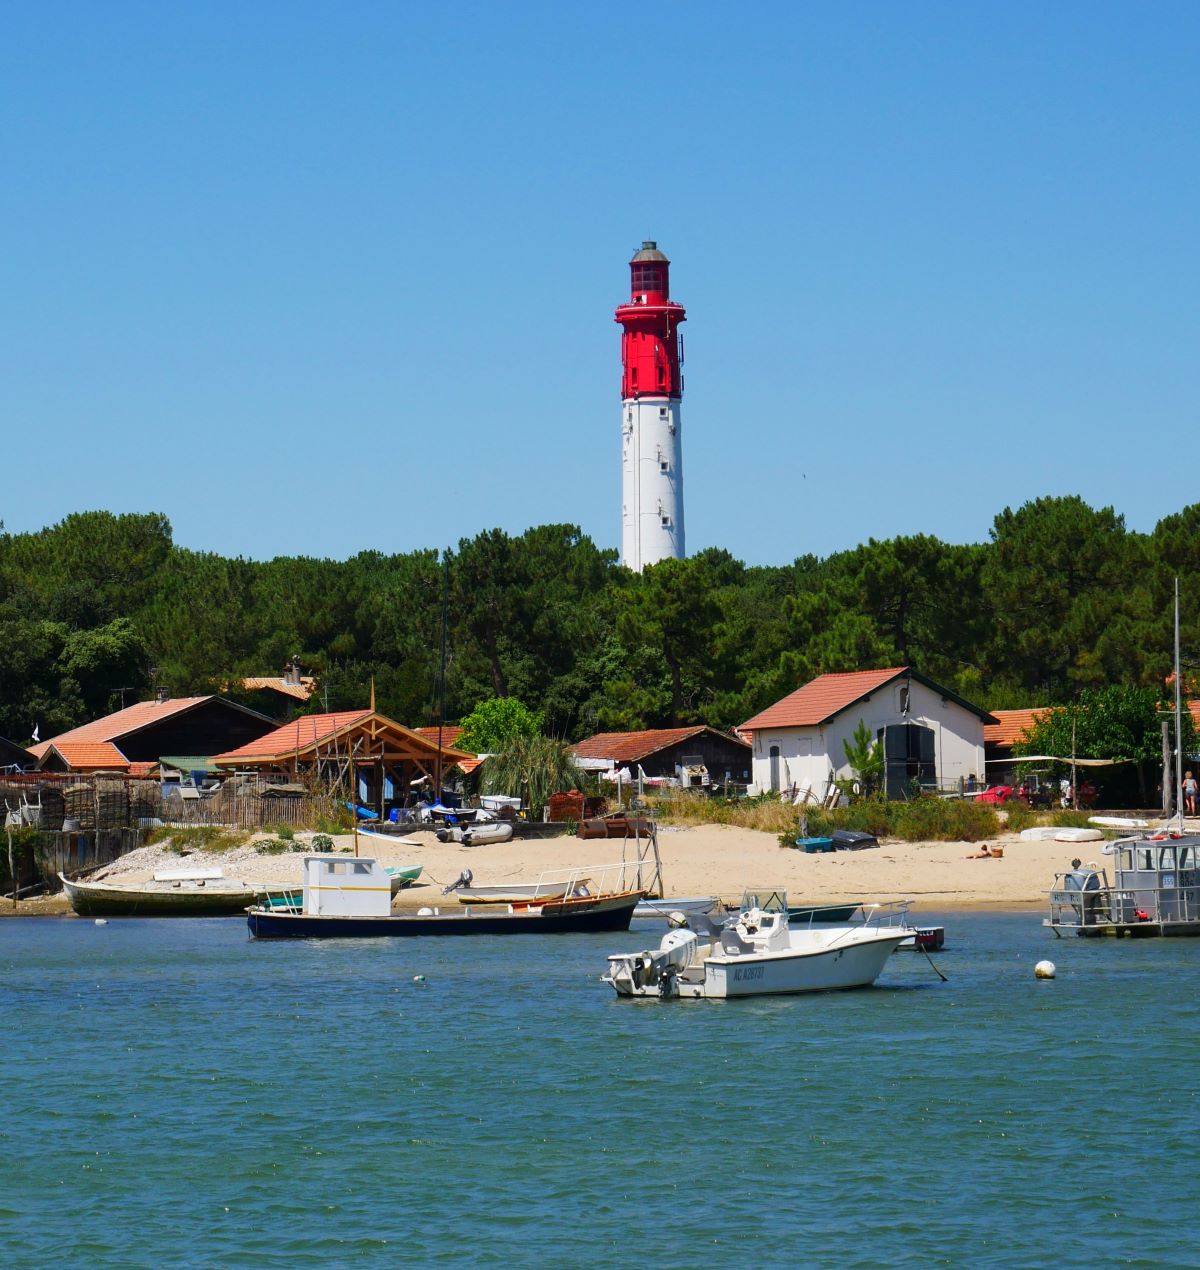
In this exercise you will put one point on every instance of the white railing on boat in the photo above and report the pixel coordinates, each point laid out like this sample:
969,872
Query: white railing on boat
592,880
1072,904
885,913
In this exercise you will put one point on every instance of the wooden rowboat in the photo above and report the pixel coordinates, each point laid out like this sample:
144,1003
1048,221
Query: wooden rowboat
160,899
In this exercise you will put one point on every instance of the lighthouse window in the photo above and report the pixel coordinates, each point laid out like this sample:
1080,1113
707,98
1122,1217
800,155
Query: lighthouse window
647,277
666,522
663,465
662,412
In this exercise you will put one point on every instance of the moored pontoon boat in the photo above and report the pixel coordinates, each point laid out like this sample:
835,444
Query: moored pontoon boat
1155,890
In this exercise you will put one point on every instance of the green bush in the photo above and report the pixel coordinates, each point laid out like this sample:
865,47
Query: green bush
1068,818
198,838
919,820
270,846
1019,815
25,841
336,820
322,842
285,833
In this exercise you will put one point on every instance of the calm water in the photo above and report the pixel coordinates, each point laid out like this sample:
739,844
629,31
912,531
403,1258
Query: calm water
175,1094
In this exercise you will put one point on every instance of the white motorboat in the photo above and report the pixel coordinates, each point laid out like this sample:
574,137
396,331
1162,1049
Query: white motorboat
758,953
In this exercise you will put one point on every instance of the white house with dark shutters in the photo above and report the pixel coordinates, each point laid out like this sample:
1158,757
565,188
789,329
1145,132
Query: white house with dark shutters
930,736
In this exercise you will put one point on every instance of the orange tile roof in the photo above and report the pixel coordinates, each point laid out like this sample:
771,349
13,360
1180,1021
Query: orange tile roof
301,691
1012,725
300,734
84,755
122,722
822,698
450,733
311,730
143,770
632,747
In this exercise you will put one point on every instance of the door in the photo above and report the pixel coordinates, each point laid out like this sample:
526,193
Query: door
910,759
774,769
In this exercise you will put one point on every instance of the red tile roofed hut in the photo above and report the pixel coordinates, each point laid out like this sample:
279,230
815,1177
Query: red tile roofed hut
387,757
999,738
280,696
931,736
663,752
145,732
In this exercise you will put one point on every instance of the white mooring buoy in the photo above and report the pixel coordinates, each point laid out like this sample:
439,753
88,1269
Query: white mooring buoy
100,921
418,978
1045,970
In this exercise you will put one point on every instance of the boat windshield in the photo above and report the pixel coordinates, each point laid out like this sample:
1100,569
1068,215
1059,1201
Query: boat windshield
766,899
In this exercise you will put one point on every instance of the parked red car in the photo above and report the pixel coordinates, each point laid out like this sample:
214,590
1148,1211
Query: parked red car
997,794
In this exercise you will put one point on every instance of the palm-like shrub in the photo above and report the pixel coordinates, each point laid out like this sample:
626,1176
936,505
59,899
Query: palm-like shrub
533,767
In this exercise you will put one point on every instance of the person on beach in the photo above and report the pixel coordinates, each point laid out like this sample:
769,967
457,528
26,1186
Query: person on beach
1189,794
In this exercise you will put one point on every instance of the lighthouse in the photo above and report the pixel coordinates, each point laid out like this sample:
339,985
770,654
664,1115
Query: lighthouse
651,397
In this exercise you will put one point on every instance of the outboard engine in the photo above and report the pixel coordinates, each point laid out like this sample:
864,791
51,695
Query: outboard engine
463,879
678,948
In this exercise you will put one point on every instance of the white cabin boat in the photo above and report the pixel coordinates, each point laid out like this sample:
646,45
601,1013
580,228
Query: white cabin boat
759,954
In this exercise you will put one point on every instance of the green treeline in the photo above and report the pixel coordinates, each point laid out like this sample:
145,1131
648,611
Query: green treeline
1062,597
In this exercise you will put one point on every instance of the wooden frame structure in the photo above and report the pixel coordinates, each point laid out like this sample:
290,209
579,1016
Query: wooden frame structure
336,751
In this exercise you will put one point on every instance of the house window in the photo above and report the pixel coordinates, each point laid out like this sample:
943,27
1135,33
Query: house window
902,696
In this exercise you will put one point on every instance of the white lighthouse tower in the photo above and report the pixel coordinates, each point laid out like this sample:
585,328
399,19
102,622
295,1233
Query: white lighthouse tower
651,397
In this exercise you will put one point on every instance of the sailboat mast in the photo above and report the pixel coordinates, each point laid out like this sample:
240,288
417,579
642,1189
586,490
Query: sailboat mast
442,669
1178,716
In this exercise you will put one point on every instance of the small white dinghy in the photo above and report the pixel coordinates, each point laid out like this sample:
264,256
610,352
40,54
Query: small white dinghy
759,954
481,835
1079,835
1118,822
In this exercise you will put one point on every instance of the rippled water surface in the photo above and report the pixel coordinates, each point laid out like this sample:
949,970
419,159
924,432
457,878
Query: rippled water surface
176,1094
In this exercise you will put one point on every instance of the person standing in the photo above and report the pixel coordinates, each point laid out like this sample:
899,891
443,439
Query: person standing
1189,794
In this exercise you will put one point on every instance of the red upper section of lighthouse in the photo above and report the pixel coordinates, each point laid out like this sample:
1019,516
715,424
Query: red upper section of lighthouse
650,356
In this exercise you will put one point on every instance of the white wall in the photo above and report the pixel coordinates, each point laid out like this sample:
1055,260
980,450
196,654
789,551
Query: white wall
810,753
651,437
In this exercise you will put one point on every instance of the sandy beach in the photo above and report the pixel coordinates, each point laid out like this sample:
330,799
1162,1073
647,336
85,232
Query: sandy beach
703,860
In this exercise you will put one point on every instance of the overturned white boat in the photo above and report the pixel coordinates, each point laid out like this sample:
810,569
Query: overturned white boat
758,954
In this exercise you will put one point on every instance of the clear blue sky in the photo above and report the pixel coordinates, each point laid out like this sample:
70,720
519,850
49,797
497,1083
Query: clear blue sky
316,278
